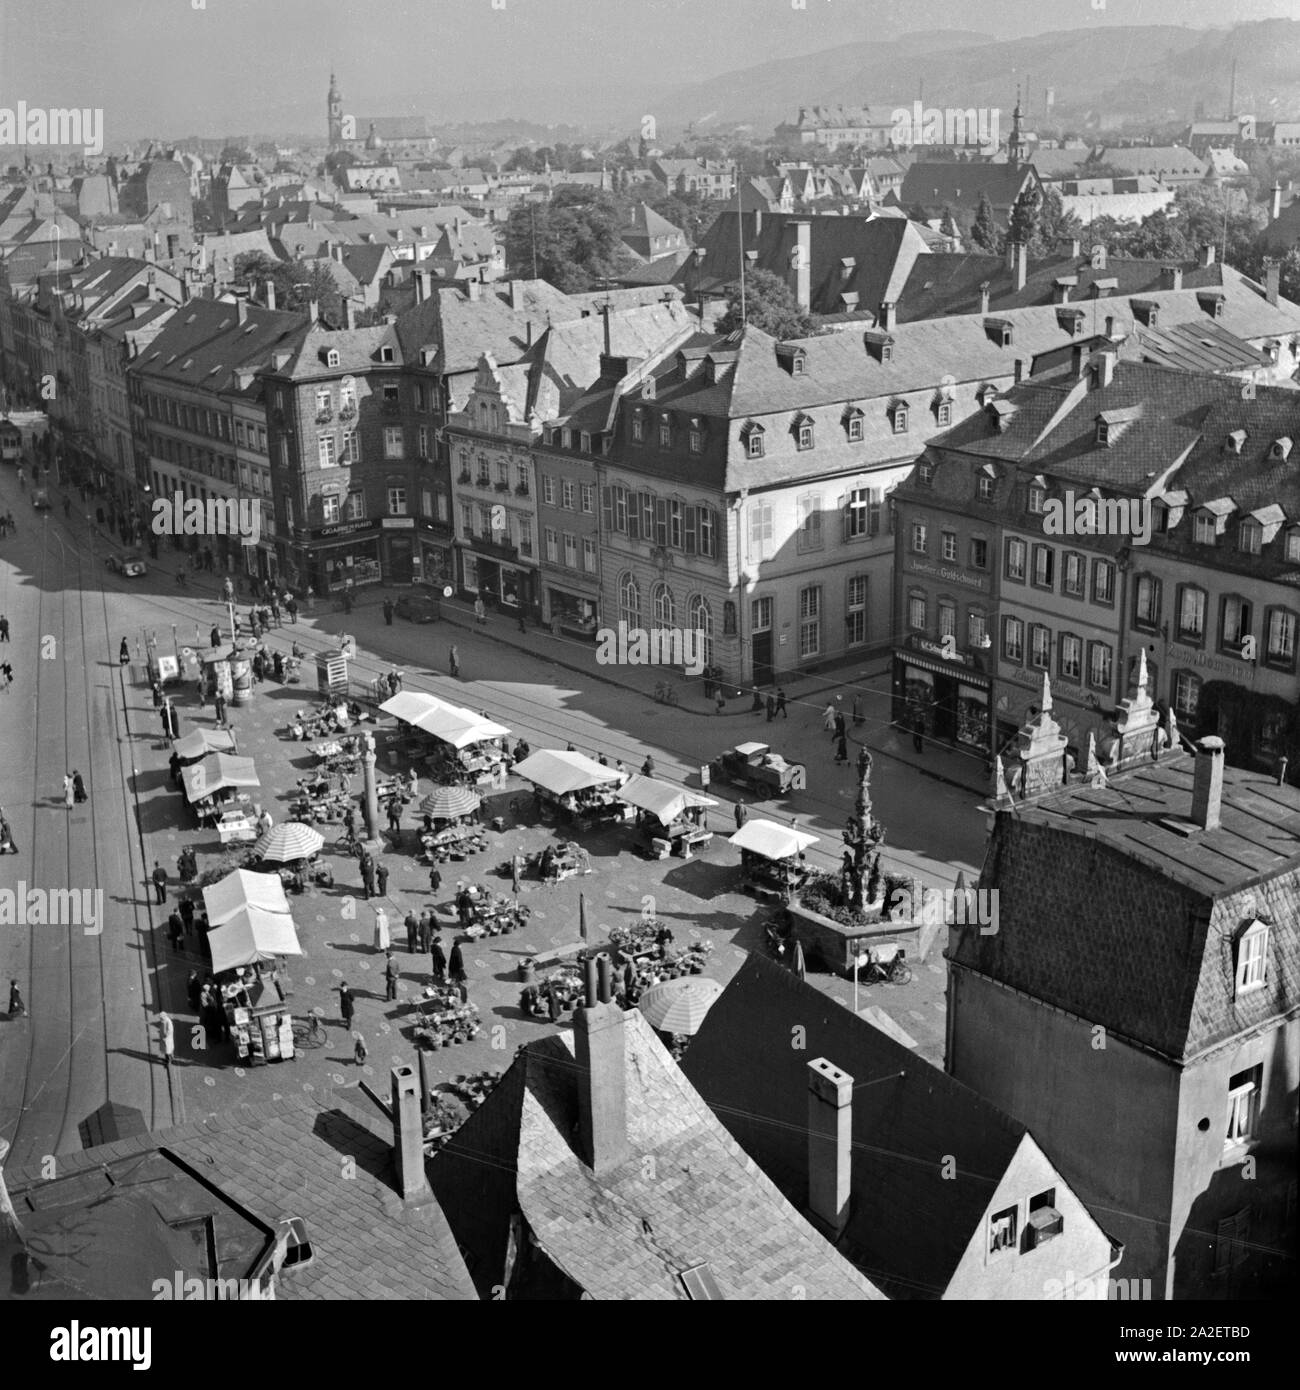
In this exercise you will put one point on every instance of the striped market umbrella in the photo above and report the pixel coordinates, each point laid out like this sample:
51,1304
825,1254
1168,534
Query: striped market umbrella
679,1006
446,803
292,840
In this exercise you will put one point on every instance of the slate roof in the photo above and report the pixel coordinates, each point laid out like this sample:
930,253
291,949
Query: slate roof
1136,930
1195,347
1164,160
1058,164
687,1194
961,185
284,1158
883,251
909,1222
204,343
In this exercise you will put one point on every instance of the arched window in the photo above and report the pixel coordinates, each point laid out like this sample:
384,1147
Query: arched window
663,605
629,602
701,621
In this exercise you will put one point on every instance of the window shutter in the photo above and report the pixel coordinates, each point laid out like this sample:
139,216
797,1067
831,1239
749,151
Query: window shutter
661,521
690,530
607,509
843,505
634,516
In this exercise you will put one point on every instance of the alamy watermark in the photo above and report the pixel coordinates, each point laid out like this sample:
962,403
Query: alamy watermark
1073,515
55,907
1098,1287
218,516
939,907
953,125
193,1289
656,646
44,125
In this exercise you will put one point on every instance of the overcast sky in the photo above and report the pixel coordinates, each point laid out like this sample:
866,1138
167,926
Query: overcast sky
257,65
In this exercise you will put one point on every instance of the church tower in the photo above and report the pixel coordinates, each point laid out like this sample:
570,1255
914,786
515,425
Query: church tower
1016,147
335,105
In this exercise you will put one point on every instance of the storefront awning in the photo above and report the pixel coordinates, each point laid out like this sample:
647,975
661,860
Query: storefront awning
223,772
943,668
559,771
661,799
241,889
252,937
770,840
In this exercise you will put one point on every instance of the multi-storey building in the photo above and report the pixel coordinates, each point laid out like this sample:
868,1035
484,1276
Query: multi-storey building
1137,1008
1190,560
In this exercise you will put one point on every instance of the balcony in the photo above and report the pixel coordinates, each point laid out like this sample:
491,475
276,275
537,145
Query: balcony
347,412
323,417
483,481
503,487
463,478
521,490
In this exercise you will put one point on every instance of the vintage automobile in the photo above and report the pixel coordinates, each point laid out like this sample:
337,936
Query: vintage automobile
128,564
41,500
755,766
418,608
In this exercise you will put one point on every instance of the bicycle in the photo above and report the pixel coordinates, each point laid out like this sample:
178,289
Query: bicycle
309,1032
666,693
349,844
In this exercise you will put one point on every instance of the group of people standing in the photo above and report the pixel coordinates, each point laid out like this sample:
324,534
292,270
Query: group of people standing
74,789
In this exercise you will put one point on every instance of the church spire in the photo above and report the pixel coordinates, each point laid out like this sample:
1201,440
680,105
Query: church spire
1016,144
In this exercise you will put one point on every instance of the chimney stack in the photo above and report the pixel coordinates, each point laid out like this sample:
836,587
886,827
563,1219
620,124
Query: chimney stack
1020,264
336,251
1171,277
473,291
604,313
408,1136
1272,278
241,311
1205,254
1276,208
1078,362
268,291
1019,370
886,317
984,296
758,217
517,295
801,264
1110,325
1207,783
830,1146
599,1037
349,313
423,281
1103,367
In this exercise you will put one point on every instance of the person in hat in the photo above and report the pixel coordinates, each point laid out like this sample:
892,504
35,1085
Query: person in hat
381,878
214,637
435,879
79,793
456,969
424,932
347,1005
124,654
389,610
159,880
828,718
741,813
648,767
359,1051
437,960
167,1037
391,974
382,939
453,661
16,1005
412,924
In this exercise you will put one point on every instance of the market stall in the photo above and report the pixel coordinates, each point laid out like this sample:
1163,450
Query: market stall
444,1017
456,744
772,859
196,746
643,956
576,786
215,787
671,820
294,848
488,913
224,899
450,830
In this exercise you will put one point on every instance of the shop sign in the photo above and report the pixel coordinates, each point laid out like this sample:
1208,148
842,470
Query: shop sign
946,649
1059,687
348,529
1189,656
948,573
398,523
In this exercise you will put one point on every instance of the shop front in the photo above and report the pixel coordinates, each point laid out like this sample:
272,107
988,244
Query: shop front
498,581
570,611
342,557
948,693
435,561
401,563
1077,712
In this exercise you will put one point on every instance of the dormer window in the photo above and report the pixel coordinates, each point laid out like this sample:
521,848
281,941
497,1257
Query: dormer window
803,431
1037,498
793,359
1250,537
984,486
695,440
797,365
925,473
753,437
986,393
386,353
638,427
1234,442
853,426
1103,432
999,330
1148,311
1212,301
1281,449
1206,530
666,432
1293,546
898,416
1252,957
332,357
880,345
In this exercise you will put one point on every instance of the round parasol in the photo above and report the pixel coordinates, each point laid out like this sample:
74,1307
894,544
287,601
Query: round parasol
445,803
282,844
679,1006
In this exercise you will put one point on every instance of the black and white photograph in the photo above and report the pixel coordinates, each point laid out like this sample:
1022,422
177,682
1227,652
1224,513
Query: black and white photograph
649,652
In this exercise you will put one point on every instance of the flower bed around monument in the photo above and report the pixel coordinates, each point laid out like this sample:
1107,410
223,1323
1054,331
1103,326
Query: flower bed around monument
832,934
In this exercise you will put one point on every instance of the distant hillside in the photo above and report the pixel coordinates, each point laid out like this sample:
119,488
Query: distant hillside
1156,73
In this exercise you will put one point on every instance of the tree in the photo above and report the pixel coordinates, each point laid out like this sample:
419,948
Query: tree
1026,217
573,240
984,232
769,305
236,154
296,284
1054,226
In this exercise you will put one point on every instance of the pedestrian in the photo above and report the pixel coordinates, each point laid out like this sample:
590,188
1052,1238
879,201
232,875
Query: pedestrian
347,1005
79,792
382,939
435,880
425,931
918,732
857,710
194,989
412,925
275,611
780,703
523,626
771,707
187,914
123,654
388,611
159,877
368,880
391,973
4,628
155,690
6,676
16,1005
395,819
648,767
359,1051
174,762
220,705
311,603
480,613
742,814
453,661
437,960
842,749
456,965
828,718
175,927
841,728
464,905
173,723
214,637
514,873
381,878
167,1036
69,790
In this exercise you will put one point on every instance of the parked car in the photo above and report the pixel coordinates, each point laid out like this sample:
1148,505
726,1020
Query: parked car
755,766
419,608
40,499
128,564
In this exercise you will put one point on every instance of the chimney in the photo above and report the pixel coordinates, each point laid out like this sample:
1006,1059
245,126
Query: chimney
1207,783
1205,254
423,280
1276,209
1110,326
1020,264
408,1136
473,291
528,329
1070,245
830,1146
1020,370
604,313
1103,368
601,1046
350,313
517,295
313,311
801,264
241,311
1078,361
336,252
885,319
1272,272
1171,277
268,290
984,296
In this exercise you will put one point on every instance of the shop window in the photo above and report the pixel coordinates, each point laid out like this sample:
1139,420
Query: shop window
1191,614
1017,551
1013,640
1252,957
